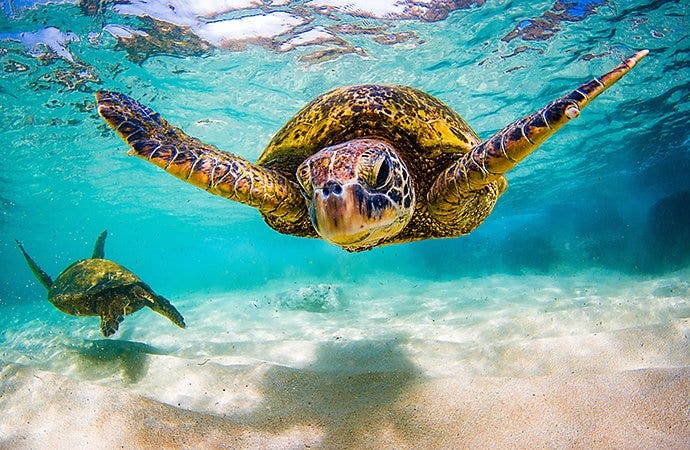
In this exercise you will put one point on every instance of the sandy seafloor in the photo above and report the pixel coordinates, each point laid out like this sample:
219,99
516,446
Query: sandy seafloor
589,360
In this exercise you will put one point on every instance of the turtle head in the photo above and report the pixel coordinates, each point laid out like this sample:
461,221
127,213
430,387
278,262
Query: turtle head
359,193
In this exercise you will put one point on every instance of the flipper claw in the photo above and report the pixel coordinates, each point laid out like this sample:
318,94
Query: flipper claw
572,112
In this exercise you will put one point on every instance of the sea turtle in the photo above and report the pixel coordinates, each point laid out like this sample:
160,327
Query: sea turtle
99,287
360,166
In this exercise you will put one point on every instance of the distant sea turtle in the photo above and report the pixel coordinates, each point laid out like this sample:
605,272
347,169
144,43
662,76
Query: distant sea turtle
100,287
360,166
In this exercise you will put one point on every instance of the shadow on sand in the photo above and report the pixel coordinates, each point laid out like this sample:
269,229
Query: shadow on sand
103,358
352,391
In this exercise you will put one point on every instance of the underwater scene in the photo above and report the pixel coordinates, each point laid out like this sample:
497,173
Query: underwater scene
351,278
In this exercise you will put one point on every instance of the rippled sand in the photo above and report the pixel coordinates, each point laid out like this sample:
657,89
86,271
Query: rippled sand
592,360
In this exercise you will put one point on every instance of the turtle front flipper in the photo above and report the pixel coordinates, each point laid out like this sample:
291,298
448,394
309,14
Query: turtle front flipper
158,303
152,138
484,165
162,306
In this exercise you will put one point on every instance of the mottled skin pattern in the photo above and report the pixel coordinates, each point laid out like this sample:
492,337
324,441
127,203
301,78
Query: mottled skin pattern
357,191
454,177
100,287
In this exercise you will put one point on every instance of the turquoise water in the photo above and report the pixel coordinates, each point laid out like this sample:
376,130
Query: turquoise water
592,236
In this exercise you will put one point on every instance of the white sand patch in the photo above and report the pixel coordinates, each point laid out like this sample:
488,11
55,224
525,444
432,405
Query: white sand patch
316,35
251,28
457,356
183,12
500,325
379,9
123,31
303,409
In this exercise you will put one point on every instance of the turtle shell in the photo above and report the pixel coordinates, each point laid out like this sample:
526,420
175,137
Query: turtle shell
422,128
77,287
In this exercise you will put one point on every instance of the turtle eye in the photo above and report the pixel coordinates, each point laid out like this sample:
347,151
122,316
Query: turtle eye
383,172
304,180
375,169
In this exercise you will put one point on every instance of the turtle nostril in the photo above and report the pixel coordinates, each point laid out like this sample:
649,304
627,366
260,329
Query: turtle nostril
332,187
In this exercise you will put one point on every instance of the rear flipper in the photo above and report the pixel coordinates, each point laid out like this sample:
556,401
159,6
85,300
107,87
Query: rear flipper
162,306
110,322
98,248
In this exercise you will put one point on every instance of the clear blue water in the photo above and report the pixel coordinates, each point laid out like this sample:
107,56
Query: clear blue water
595,219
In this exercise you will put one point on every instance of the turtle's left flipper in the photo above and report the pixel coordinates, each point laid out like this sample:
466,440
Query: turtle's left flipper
158,303
487,162
152,138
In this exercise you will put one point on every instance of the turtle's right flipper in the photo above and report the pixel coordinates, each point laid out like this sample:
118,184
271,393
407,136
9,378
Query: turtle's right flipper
162,306
152,138
485,163
158,303
481,169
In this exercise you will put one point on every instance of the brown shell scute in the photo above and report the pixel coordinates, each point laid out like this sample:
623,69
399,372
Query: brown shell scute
91,276
411,120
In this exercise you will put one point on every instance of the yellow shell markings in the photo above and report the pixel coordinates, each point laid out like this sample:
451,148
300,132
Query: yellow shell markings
92,275
87,286
425,131
411,120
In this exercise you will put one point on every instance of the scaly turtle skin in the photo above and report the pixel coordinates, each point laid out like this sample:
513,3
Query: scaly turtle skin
100,287
360,166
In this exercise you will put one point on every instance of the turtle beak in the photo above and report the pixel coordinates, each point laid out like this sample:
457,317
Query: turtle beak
343,215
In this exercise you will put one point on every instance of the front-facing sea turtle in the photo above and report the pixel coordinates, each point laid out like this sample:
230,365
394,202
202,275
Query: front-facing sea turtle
360,166
99,287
